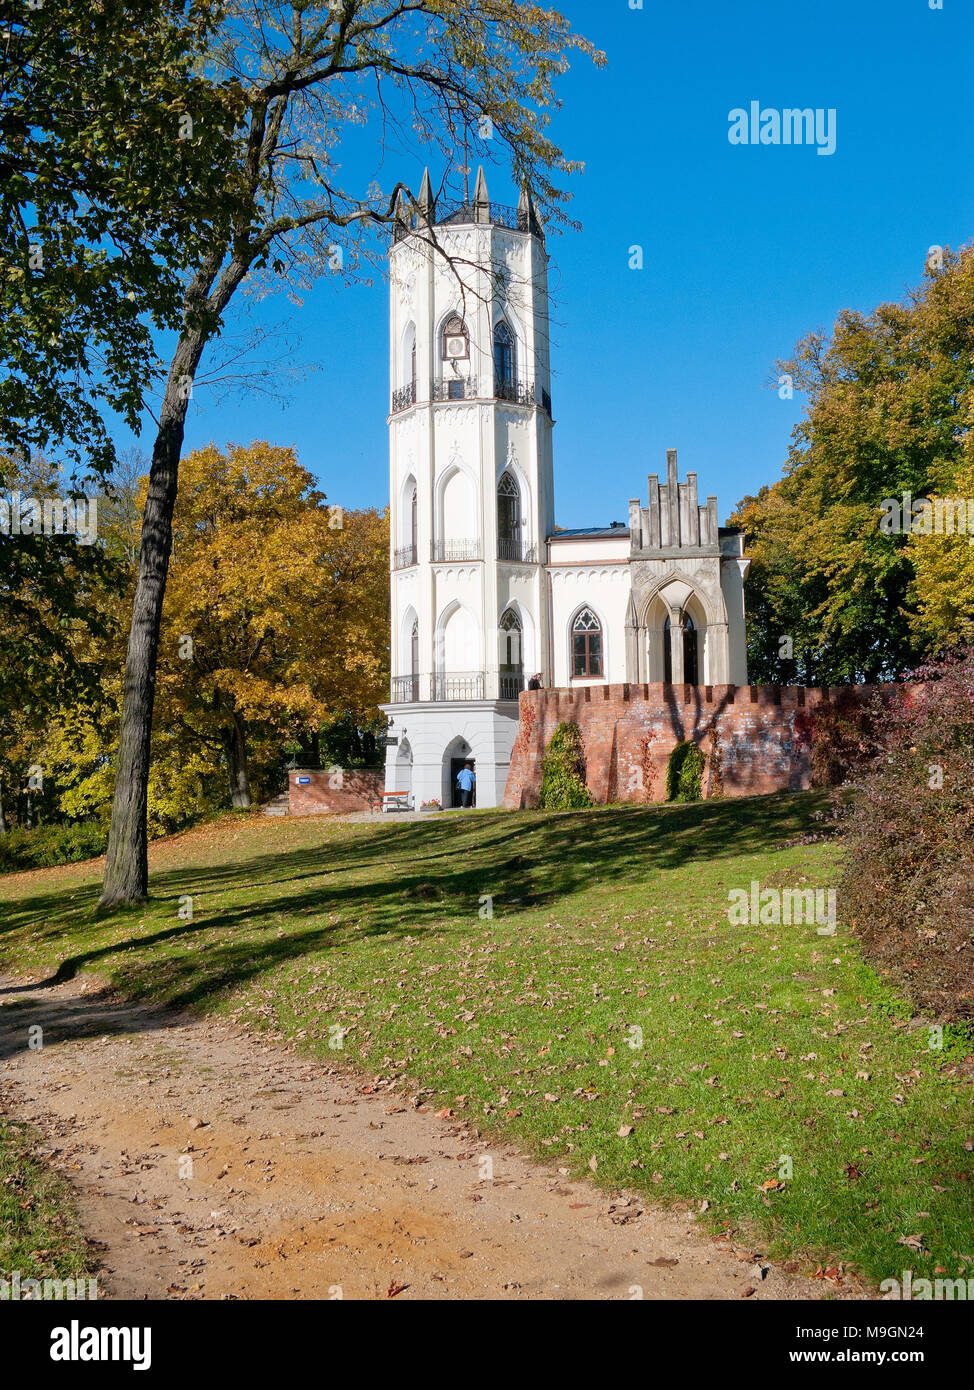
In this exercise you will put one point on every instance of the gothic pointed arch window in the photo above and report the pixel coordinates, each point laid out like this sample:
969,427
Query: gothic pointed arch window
511,655
414,522
504,360
587,654
508,518
414,650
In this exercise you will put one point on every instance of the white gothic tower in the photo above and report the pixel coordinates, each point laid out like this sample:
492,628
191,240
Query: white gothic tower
471,491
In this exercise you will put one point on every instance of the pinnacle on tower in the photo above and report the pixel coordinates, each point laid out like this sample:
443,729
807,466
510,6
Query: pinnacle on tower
427,203
527,215
400,211
481,198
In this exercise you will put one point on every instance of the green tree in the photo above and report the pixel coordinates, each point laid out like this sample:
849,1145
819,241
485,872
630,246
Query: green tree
830,596
427,70
106,196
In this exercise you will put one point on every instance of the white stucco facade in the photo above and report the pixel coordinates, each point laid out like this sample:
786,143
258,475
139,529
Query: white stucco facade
484,591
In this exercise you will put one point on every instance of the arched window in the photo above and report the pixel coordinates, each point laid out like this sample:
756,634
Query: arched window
504,364
414,522
691,674
586,644
511,655
455,339
508,518
414,650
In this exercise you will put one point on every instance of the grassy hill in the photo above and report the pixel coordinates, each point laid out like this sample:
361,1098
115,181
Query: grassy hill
571,982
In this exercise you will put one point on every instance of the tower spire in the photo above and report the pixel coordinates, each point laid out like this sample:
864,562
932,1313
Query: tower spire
427,203
481,198
527,214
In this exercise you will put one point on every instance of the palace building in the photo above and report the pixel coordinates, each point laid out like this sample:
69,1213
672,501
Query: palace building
485,589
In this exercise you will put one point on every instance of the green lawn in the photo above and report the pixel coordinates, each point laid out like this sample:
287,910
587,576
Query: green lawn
758,1042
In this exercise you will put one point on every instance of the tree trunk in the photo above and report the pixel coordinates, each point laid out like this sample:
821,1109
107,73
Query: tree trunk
235,749
127,865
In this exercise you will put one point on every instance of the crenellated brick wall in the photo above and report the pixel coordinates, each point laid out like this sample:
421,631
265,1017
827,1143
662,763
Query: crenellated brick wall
755,739
325,793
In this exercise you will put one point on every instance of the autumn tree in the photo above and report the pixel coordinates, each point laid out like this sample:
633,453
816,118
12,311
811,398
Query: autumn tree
105,200
427,71
830,593
276,614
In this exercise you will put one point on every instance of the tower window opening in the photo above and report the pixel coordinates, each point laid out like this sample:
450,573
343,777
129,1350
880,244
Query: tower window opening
504,364
508,518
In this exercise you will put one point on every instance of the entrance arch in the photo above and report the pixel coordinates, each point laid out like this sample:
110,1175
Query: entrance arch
456,753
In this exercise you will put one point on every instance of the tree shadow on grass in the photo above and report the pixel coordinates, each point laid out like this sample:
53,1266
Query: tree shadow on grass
523,862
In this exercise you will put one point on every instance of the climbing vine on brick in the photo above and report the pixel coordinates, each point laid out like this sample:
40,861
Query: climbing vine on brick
563,772
684,773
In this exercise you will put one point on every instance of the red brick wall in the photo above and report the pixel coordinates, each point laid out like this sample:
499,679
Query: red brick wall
755,739
331,793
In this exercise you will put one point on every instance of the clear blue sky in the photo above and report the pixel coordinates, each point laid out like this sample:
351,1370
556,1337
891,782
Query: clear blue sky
745,249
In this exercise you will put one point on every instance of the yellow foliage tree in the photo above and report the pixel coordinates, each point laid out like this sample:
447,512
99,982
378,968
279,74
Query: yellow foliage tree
276,613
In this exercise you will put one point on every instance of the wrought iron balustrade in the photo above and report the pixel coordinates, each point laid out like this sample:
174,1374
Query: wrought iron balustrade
445,552
404,397
511,687
458,685
516,550
459,214
405,556
454,388
405,690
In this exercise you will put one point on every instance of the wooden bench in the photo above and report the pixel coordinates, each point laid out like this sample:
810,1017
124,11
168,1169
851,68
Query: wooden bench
395,801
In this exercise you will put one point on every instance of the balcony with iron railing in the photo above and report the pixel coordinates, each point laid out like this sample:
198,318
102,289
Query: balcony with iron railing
452,552
458,685
455,388
451,388
404,398
405,690
406,556
511,687
463,213
514,549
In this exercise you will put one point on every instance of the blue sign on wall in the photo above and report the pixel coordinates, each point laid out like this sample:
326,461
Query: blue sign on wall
303,781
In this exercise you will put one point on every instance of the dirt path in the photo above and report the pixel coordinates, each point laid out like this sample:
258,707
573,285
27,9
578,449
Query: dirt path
212,1165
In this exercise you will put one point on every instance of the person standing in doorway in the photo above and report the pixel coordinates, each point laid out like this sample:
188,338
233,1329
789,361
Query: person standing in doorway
466,781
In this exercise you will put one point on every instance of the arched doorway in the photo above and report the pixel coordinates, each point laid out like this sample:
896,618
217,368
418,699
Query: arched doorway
691,652
456,754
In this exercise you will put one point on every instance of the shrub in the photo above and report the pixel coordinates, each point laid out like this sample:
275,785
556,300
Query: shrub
909,843
563,772
843,740
684,773
48,845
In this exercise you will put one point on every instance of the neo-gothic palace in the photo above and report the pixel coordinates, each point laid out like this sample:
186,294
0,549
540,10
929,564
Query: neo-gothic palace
485,590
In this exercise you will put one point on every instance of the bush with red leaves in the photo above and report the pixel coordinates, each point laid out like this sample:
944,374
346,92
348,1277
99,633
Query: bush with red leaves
909,846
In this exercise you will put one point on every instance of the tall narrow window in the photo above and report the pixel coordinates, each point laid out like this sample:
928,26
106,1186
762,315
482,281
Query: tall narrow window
504,373
586,644
414,523
511,656
691,673
414,650
508,519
